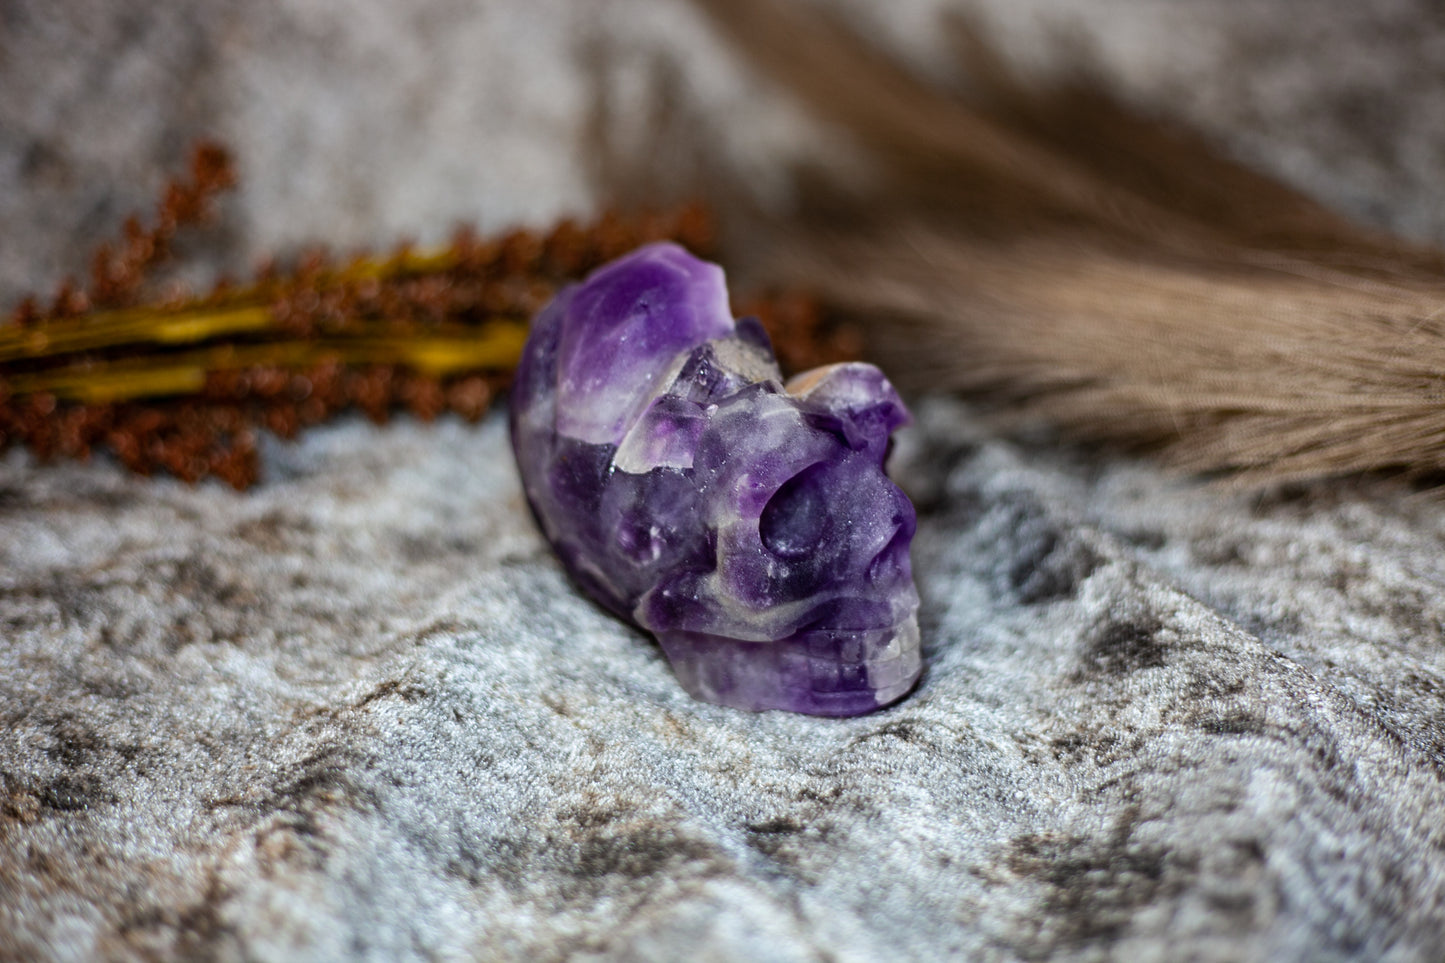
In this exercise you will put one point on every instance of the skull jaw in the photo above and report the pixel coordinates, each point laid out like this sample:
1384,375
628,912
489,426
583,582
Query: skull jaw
815,672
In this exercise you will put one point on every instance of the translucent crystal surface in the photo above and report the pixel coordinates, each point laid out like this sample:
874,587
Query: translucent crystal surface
748,525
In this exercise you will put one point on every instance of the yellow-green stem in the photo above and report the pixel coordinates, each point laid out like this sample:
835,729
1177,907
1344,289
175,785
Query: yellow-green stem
241,311
496,346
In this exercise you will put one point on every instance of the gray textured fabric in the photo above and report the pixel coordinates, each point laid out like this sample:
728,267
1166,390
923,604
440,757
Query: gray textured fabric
359,712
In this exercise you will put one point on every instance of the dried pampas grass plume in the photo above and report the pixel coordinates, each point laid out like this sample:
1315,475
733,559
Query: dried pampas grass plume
1046,249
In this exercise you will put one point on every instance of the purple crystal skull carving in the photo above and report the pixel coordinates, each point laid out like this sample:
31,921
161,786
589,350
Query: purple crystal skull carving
747,525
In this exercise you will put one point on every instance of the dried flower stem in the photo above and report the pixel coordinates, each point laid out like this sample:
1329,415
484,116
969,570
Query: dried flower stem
1046,251
496,347
182,385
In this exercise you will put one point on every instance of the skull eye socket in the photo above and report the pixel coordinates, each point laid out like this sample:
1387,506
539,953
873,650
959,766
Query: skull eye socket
795,520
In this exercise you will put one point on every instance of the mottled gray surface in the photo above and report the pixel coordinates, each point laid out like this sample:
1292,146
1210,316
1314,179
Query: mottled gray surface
360,713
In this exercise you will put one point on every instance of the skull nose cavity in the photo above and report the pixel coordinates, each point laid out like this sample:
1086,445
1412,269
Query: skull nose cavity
892,563
795,520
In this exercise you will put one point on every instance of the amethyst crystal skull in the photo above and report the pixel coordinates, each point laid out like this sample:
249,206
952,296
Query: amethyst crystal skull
748,525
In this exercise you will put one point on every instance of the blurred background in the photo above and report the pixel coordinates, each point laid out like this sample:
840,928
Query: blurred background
362,123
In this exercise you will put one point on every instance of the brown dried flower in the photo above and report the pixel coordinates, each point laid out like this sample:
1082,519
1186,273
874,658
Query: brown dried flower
183,385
